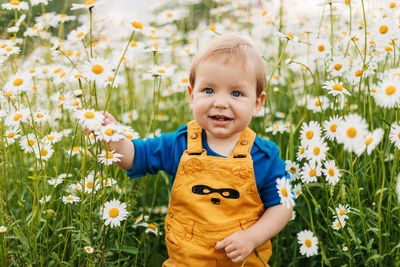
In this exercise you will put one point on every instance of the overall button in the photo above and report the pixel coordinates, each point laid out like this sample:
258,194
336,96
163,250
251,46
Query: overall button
193,135
171,215
168,227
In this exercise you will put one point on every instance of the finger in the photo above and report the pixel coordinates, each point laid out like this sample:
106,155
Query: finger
237,259
221,244
230,248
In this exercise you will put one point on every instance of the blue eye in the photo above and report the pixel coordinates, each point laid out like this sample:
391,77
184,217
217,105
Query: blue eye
236,93
208,91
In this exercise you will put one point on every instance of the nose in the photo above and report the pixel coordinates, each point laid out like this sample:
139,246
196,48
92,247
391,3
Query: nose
220,101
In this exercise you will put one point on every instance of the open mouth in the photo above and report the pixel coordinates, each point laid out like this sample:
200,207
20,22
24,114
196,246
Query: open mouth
220,118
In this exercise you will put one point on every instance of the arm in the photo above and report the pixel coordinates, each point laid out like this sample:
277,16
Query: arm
241,244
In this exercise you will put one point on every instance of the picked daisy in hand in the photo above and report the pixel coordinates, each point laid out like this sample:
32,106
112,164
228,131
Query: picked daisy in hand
335,88
114,212
308,242
110,133
109,157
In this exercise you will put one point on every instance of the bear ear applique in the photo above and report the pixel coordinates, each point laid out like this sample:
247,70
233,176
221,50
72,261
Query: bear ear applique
192,165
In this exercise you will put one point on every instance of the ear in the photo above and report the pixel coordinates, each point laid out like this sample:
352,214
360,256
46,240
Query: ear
190,92
259,103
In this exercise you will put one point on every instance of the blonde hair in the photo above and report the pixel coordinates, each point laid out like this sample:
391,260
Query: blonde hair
231,45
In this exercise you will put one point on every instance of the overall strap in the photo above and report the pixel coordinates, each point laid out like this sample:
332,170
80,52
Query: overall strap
243,147
194,145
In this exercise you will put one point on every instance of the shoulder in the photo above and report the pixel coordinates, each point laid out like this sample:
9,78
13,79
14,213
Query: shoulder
265,146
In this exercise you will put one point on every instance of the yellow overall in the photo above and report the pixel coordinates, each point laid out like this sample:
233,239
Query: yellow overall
212,197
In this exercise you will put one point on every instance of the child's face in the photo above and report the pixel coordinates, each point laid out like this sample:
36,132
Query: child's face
224,98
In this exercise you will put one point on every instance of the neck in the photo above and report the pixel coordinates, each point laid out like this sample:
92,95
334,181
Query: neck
224,145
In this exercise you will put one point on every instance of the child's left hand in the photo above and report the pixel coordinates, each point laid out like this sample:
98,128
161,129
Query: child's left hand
238,246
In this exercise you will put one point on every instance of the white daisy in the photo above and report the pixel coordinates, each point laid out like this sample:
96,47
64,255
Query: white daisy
55,181
97,70
70,199
28,143
78,34
394,134
342,211
373,139
297,190
3,229
15,5
152,228
45,152
335,88
18,83
317,150
308,242
318,103
331,126
88,249
114,212
11,136
301,152
87,4
44,199
387,93
109,157
52,137
338,223
331,172
89,184
310,171
90,118
310,132
285,191
16,117
293,169
110,133
352,132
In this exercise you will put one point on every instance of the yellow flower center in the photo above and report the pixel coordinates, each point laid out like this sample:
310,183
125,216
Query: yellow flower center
169,14
133,44
293,169
392,5
89,115
390,90
331,172
337,87
14,2
316,151
75,103
383,29
17,116
113,212
80,34
312,173
347,2
89,184
10,134
358,73
97,69
51,137
212,27
109,155
338,224
264,13
291,36
284,192
307,243
31,142
70,198
8,94
161,71
321,48
317,103
337,66
351,132
18,82
44,153
309,135
152,226
75,149
89,2
369,141
39,116
109,131
388,49
342,212
78,75
184,80
333,127
301,150
137,25
62,98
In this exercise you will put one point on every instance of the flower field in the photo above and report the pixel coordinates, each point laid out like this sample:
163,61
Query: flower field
332,107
